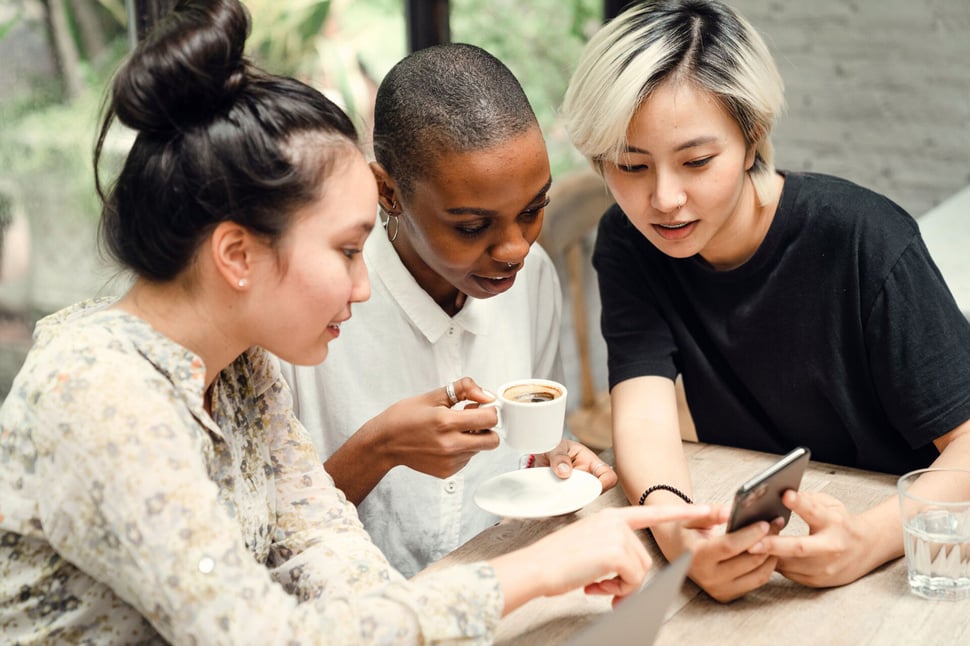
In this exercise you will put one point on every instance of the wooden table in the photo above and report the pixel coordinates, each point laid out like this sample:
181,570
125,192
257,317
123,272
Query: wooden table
877,609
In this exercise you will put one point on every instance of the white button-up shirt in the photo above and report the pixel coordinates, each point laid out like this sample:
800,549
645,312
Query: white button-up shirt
400,343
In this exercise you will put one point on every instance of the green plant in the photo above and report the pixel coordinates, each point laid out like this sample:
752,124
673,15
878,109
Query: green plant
117,10
541,42
285,33
10,23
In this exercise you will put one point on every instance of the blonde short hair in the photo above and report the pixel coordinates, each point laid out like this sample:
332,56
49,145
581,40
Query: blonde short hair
703,42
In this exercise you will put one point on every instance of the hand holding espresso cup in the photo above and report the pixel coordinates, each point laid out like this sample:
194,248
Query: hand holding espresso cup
531,414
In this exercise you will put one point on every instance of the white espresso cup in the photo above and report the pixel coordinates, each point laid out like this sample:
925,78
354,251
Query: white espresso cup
531,413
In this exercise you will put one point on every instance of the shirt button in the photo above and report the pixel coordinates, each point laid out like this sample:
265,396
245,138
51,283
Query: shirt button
206,565
451,487
451,331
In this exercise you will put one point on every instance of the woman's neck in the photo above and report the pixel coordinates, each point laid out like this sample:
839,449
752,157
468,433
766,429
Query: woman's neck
440,290
747,228
173,310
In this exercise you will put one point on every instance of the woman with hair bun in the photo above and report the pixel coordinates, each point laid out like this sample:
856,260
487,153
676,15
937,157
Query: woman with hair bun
155,485
801,309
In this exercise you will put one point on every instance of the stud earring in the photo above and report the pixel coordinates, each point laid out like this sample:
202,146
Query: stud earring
243,283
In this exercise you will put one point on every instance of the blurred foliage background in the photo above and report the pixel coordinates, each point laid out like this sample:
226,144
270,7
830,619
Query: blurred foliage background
344,47
58,57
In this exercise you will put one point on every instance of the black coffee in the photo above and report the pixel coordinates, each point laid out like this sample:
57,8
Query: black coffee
532,393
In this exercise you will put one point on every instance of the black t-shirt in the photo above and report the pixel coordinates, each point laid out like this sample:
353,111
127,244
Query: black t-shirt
839,334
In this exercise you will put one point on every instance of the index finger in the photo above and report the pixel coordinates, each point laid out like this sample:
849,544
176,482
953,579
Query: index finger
784,547
648,516
466,389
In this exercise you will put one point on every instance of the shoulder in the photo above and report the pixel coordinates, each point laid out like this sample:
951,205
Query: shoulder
83,338
847,225
96,371
840,203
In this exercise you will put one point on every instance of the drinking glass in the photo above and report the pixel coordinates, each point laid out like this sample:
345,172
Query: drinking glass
936,531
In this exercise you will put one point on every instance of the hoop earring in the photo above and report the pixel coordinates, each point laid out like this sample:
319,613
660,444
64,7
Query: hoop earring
387,225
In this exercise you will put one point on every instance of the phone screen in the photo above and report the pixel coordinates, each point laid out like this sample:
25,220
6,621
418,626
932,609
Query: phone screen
760,497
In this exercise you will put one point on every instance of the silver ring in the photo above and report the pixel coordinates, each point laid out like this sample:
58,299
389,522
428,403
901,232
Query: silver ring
450,391
596,469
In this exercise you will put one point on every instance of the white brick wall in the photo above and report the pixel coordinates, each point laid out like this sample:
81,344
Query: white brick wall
878,91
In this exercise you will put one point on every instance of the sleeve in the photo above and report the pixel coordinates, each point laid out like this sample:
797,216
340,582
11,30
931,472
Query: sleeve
319,542
638,339
918,342
547,324
132,505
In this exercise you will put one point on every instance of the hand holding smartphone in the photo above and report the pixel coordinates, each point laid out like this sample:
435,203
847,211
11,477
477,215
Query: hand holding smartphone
760,497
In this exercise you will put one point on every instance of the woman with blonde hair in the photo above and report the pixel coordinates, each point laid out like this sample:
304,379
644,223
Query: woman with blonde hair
800,309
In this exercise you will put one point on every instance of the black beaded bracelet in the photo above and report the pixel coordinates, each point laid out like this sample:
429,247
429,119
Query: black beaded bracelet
665,487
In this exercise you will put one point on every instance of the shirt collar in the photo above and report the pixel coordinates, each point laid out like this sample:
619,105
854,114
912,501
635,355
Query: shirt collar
427,316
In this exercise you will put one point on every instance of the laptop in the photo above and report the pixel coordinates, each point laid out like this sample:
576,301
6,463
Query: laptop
637,620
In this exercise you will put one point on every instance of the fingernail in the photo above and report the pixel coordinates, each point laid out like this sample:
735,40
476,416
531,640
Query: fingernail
563,468
757,548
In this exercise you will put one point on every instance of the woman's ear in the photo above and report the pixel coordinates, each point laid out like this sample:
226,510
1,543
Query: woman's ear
233,248
387,191
751,154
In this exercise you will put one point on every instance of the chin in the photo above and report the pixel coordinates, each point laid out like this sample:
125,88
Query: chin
684,249
310,357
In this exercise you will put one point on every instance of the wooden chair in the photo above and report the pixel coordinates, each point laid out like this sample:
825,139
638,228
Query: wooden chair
577,201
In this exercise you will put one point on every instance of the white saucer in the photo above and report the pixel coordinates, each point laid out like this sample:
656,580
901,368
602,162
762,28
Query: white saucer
537,493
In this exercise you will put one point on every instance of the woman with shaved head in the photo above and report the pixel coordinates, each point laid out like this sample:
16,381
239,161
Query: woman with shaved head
461,296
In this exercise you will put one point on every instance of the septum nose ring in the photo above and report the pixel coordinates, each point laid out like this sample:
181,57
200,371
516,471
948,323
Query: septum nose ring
509,265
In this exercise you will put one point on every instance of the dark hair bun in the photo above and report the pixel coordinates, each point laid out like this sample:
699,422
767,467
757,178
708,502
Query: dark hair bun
187,69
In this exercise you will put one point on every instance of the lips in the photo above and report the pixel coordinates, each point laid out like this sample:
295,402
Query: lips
675,230
494,284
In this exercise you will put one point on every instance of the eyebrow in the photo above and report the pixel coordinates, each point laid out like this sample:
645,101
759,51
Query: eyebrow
690,143
472,210
363,227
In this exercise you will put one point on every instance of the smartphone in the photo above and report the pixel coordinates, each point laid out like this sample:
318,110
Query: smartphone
760,497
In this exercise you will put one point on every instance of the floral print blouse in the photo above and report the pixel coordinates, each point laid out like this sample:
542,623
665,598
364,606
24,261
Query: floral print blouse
129,515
